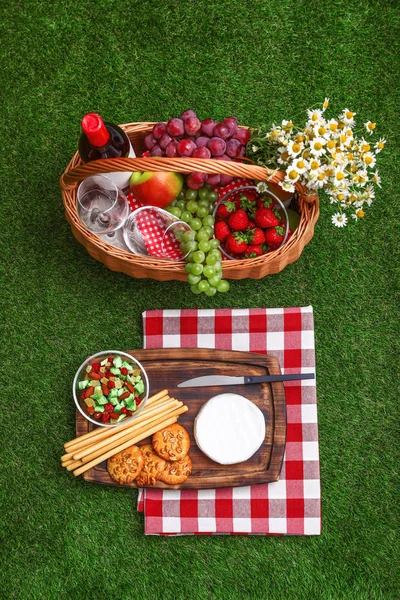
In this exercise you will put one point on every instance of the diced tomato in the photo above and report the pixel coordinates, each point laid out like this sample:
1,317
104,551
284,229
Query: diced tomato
124,396
83,395
124,410
96,367
97,415
90,410
129,413
114,415
124,370
109,407
137,401
110,385
105,389
108,374
105,417
110,359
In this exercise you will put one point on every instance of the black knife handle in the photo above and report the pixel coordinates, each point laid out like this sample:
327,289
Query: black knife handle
288,377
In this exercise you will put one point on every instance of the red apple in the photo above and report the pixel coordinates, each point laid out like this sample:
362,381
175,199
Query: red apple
157,188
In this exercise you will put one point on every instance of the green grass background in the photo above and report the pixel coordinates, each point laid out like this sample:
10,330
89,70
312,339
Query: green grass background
261,61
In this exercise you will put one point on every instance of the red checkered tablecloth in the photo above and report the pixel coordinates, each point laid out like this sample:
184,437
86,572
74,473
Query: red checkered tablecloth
291,505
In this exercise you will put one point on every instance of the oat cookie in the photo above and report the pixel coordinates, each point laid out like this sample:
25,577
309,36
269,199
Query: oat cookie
152,468
125,466
177,472
172,443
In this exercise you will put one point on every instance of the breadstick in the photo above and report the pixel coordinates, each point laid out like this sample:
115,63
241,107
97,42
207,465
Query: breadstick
134,426
98,430
134,440
109,431
125,436
74,464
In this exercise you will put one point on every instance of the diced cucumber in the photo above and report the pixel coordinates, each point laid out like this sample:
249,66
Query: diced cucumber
96,396
103,400
117,407
117,362
139,387
113,393
120,418
98,408
115,371
83,384
127,365
113,400
122,391
98,390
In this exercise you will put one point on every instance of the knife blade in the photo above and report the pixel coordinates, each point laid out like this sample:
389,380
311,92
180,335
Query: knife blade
214,380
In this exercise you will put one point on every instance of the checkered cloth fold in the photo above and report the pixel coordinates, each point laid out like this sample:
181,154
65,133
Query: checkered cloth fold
291,505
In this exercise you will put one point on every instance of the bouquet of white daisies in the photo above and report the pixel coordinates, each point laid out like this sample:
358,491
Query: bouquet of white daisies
325,154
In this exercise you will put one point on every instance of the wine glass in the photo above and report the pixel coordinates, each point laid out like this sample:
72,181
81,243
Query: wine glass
152,231
102,207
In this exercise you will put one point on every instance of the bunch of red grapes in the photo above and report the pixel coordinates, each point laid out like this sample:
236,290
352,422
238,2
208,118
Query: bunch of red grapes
187,136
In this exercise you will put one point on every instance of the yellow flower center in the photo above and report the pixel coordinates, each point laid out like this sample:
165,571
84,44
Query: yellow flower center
314,164
296,147
381,145
368,160
350,155
341,125
331,144
301,164
293,174
321,176
340,176
285,155
333,126
314,117
340,197
360,213
349,114
353,169
343,138
299,139
365,147
317,146
329,172
326,104
321,130
371,126
306,154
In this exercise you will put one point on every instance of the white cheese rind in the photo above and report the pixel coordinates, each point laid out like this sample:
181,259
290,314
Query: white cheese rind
229,429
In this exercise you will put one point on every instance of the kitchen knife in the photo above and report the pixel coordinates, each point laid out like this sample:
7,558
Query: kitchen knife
214,380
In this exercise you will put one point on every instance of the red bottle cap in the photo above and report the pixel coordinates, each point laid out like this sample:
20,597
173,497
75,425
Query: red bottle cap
95,130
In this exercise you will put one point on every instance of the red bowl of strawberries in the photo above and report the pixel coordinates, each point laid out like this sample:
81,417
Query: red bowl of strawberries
250,223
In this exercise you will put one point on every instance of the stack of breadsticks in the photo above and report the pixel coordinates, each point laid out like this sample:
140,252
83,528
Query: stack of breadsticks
90,449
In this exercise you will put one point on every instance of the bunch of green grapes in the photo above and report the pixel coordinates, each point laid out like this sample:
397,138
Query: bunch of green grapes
204,260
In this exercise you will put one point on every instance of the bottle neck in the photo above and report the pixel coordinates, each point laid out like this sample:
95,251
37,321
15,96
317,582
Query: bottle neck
95,130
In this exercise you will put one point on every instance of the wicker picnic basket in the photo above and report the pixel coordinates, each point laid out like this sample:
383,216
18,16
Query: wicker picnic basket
163,270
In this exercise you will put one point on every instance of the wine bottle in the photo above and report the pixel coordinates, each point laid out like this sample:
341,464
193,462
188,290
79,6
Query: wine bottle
100,139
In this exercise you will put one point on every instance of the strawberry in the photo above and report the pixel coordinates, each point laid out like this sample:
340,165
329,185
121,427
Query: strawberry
225,209
265,202
238,220
256,236
274,236
236,243
221,231
253,251
265,218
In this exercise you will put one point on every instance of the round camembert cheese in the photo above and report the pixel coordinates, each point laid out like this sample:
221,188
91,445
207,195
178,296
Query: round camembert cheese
229,429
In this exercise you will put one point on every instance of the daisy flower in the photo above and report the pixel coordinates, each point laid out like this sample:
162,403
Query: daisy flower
379,146
292,174
300,164
294,148
314,116
262,187
284,157
368,159
376,178
364,146
339,219
287,185
314,164
322,130
331,146
317,146
370,127
348,117
325,104
361,177
332,125
287,125
359,214
339,175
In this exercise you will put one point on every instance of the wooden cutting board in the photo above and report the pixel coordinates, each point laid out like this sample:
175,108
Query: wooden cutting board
169,366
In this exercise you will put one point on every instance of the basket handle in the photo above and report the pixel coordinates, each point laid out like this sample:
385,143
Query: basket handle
181,165
71,178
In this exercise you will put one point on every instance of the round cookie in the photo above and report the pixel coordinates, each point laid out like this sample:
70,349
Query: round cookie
125,466
177,472
172,443
152,468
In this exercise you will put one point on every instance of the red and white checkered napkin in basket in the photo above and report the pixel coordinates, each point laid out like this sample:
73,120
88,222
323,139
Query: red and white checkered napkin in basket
153,234
291,505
